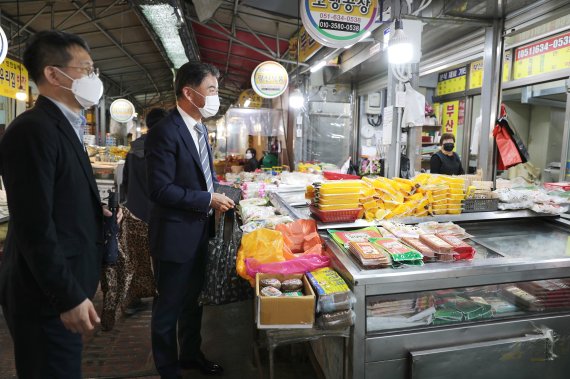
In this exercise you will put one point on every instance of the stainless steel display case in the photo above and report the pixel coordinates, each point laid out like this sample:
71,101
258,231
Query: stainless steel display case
513,247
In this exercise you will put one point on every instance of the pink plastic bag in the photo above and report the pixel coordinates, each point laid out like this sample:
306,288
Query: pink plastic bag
300,265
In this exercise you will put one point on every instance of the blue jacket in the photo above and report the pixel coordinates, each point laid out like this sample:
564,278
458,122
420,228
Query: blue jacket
177,188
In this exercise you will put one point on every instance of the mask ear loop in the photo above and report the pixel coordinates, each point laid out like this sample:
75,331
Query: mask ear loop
67,76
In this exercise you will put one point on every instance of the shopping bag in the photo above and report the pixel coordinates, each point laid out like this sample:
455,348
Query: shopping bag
222,284
507,149
264,245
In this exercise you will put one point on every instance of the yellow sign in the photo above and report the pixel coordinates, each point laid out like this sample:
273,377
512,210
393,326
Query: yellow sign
450,117
10,78
336,23
544,56
255,101
308,46
269,79
476,71
451,81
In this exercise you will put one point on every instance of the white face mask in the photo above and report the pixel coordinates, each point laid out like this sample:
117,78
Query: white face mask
87,89
248,155
211,106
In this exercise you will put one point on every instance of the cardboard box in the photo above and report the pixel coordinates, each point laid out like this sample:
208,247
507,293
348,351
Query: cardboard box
285,312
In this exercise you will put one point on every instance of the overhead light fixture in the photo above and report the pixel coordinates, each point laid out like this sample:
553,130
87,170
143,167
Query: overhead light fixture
246,103
165,22
400,49
21,95
318,66
296,99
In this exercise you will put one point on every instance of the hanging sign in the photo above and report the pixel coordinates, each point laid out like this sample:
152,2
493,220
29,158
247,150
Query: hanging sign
476,70
122,110
255,101
308,46
269,79
10,78
3,45
544,56
338,23
450,117
451,81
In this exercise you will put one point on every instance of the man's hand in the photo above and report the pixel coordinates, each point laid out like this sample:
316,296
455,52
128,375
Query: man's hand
81,319
221,202
108,213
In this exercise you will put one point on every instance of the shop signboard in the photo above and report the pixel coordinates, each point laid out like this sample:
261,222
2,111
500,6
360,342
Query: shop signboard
255,101
3,45
122,110
541,57
338,23
10,78
450,117
476,70
452,81
269,79
308,46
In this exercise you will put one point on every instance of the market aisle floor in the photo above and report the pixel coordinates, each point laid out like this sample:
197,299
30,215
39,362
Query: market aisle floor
124,352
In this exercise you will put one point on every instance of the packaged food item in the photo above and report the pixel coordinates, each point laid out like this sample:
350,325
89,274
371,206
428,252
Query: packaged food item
270,282
522,298
332,291
291,285
426,251
270,291
436,244
399,252
293,294
343,237
368,255
463,250
336,320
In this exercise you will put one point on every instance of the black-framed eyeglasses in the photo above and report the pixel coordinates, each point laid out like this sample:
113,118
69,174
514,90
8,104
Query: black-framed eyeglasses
89,71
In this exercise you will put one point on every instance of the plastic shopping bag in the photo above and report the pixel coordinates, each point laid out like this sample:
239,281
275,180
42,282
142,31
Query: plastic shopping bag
265,245
300,265
508,151
299,237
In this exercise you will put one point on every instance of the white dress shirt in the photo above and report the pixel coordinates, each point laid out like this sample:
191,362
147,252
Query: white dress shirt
190,123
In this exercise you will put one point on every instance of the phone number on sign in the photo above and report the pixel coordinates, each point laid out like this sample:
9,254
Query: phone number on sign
341,26
543,47
339,17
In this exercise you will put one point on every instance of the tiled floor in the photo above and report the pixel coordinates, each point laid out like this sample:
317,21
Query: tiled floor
227,333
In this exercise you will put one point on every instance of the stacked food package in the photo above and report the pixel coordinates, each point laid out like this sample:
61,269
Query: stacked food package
336,200
335,299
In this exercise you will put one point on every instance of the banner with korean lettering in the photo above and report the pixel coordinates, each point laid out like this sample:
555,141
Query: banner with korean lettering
544,56
476,70
450,117
452,81
308,46
10,78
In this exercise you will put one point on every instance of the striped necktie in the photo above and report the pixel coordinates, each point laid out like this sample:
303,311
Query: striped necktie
204,158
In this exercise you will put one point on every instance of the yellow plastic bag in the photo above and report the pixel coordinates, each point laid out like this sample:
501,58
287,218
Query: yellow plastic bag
265,245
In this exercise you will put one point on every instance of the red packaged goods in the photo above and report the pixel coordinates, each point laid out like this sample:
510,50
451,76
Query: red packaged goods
436,244
368,254
463,249
427,252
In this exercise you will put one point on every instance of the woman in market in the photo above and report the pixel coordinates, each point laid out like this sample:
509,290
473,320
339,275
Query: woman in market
251,163
446,161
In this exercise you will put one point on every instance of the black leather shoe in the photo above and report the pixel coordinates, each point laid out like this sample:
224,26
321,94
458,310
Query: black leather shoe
205,366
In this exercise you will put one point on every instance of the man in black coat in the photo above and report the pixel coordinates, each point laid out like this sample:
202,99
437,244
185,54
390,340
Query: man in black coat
53,251
181,186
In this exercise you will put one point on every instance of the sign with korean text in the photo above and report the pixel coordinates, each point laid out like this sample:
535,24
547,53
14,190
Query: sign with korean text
269,79
452,81
307,48
122,110
10,78
3,45
450,117
544,56
338,23
476,70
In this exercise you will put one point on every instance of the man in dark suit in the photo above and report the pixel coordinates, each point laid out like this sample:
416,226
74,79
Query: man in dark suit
53,250
181,186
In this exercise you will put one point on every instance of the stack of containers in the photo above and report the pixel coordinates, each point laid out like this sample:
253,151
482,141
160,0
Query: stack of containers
336,200
456,193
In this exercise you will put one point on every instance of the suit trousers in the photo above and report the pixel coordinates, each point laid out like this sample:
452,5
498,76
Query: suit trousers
176,314
43,348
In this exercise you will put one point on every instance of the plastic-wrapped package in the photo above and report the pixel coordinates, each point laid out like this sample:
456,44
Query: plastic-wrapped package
336,320
255,212
333,292
549,208
271,282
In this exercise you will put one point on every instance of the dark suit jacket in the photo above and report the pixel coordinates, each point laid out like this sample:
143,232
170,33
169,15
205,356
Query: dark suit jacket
135,184
177,189
55,235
